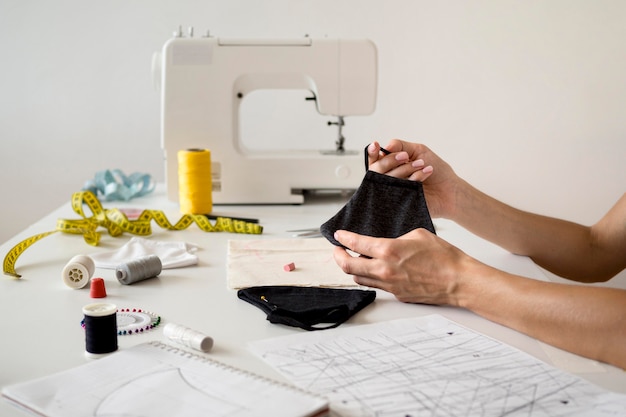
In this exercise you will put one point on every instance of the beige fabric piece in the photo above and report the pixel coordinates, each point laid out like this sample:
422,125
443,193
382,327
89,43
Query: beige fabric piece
260,262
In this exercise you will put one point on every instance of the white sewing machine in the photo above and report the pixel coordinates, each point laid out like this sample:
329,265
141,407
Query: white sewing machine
202,82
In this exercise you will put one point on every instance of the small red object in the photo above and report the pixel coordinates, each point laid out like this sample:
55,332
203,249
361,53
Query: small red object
289,267
97,288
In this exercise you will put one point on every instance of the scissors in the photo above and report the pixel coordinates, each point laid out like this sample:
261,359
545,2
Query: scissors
306,233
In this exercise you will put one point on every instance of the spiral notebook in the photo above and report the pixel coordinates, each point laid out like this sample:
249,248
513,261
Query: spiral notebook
157,379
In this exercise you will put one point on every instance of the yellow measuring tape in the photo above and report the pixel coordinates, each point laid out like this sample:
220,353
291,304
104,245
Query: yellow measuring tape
117,223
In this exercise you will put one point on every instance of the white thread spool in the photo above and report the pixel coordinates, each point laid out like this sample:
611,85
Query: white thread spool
188,337
78,271
139,269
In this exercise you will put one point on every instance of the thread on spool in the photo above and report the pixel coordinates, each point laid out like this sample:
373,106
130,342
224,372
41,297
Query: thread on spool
100,329
138,270
78,271
194,181
188,337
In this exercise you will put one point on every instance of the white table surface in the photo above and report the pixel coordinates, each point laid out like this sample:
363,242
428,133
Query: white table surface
40,316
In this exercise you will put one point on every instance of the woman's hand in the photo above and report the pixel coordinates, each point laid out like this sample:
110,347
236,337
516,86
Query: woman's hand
417,162
418,267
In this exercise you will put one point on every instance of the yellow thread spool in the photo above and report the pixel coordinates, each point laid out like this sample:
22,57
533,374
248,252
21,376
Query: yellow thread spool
194,181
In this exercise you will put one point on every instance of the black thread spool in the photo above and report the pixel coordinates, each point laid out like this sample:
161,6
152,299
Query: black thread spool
100,329
138,269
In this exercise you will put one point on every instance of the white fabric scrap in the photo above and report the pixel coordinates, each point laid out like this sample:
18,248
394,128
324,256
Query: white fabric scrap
260,262
172,254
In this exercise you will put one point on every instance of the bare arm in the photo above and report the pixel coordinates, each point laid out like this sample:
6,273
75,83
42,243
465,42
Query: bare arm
420,267
589,321
581,253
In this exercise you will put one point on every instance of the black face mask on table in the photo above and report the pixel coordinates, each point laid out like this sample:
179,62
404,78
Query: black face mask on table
309,308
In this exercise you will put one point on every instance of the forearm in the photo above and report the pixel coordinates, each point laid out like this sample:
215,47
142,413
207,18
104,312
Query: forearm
589,321
563,247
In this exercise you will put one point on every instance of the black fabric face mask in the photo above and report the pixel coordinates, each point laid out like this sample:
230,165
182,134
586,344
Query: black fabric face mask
382,206
309,308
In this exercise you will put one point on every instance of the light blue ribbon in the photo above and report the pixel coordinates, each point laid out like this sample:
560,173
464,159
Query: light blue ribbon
114,185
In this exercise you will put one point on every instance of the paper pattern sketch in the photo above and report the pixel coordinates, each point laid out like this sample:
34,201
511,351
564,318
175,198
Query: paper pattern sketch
260,262
430,366
155,379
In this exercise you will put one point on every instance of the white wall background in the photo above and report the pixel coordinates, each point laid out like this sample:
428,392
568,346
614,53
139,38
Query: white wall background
526,99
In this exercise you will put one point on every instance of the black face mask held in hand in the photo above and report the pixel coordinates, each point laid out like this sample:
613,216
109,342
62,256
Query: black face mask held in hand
307,307
382,206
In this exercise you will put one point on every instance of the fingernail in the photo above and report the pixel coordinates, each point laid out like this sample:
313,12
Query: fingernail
418,163
371,148
402,156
